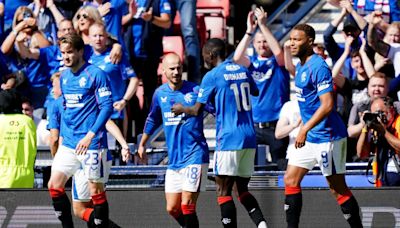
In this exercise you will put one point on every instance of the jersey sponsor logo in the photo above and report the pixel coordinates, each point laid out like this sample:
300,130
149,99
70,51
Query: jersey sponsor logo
232,67
171,119
64,81
303,77
166,6
260,76
82,82
201,91
107,59
188,98
299,93
323,85
102,67
104,91
163,99
236,76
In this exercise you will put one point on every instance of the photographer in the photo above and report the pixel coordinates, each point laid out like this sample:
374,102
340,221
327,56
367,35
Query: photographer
381,135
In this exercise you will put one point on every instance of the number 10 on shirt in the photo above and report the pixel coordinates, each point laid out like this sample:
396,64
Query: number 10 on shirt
242,96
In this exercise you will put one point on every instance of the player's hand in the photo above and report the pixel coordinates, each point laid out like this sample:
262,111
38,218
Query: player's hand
104,9
83,144
142,155
125,153
177,109
116,53
301,138
147,16
119,105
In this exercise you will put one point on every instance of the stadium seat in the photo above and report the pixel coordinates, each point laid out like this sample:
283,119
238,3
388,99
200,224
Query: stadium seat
216,6
215,27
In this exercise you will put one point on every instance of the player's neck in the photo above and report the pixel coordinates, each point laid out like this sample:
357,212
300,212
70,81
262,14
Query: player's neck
307,56
175,86
78,66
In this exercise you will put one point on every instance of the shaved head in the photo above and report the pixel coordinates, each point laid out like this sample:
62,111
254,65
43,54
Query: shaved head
172,68
169,58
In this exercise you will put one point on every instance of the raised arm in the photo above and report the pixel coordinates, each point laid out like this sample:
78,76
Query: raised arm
271,40
373,40
162,21
368,66
288,59
132,6
23,50
361,22
54,10
239,56
339,79
8,43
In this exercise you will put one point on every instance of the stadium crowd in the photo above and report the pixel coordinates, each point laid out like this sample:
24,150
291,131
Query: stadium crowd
115,47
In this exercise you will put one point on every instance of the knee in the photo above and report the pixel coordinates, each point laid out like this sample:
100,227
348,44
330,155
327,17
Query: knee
78,210
174,210
290,180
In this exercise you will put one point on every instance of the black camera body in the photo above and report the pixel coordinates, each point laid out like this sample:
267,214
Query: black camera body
372,117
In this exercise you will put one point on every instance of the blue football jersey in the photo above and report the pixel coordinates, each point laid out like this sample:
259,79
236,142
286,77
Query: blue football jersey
230,86
88,105
312,80
116,74
183,133
54,112
272,82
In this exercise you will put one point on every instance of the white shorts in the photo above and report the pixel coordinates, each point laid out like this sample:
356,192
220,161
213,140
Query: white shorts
95,163
234,162
331,156
190,179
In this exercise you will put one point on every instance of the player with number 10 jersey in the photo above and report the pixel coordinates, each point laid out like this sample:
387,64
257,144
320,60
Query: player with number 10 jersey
231,87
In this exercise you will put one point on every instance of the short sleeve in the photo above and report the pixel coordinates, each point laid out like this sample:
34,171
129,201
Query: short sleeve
323,80
207,88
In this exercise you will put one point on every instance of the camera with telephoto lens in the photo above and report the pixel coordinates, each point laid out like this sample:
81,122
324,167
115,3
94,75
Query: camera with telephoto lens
372,118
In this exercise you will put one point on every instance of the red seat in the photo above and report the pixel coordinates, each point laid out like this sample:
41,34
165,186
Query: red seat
215,27
222,5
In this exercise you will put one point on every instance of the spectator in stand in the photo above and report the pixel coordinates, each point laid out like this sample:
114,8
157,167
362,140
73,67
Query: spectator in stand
112,13
272,80
377,87
10,7
354,89
148,21
25,33
387,50
18,143
187,12
353,25
83,19
381,137
48,17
